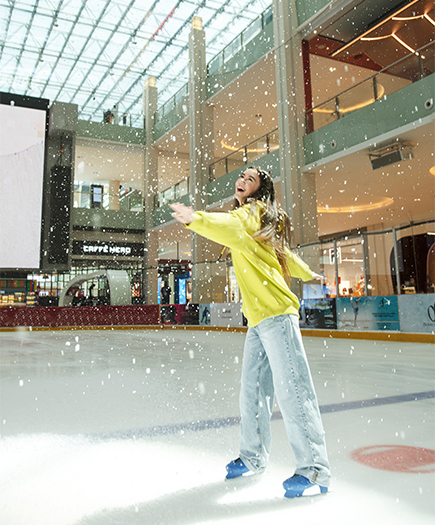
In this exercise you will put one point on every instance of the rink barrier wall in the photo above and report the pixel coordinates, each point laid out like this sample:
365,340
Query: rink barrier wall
79,317
221,317
149,317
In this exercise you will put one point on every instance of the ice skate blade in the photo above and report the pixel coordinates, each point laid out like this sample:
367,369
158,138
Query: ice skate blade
238,476
312,491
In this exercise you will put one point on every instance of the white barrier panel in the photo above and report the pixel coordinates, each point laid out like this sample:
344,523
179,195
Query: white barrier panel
226,314
417,313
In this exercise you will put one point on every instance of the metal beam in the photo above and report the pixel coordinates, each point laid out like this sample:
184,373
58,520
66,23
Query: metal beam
103,11
8,23
60,55
97,58
144,72
41,51
134,60
18,58
117,58
217,12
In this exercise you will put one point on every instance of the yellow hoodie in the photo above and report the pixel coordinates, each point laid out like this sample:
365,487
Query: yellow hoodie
259,274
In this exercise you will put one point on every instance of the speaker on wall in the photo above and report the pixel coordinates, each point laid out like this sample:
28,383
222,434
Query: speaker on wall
385,160
390,157
59,214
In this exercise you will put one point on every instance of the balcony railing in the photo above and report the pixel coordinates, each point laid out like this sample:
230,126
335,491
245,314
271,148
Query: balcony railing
386,81
128,201
182,95
172,193
240,41
130,120
246,154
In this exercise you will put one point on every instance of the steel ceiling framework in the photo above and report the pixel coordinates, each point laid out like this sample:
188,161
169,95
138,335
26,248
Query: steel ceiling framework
98,53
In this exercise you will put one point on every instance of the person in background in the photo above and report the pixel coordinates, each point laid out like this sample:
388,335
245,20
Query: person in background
165,293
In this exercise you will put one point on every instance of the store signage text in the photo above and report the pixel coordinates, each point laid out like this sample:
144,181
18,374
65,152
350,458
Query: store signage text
107,249
104,248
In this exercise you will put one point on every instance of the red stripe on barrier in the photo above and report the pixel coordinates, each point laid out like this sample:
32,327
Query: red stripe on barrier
69,316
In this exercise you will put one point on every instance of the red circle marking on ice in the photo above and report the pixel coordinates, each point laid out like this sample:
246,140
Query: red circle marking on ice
397,458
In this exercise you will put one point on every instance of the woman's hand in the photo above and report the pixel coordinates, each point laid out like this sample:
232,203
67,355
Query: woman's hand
182,213
318,276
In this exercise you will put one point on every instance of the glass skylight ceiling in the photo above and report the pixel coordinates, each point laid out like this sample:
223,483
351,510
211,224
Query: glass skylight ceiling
97,53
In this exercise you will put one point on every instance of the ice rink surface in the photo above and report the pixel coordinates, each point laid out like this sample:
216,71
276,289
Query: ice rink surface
135,427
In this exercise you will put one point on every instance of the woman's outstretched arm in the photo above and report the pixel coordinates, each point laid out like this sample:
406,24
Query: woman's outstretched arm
182,213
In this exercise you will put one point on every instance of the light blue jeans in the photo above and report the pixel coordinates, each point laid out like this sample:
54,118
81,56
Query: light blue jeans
274,361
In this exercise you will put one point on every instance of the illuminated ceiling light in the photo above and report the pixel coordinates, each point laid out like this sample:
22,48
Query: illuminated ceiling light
354,209
249,150
401,42
432,171
197,23
429,19
403,18
404,44
372,38
342,48
363,104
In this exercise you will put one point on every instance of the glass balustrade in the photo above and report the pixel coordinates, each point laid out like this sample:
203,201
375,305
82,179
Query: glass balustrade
180,97
365,264
383,83
113,117
240,41
172,193
245,155
98,196
362,265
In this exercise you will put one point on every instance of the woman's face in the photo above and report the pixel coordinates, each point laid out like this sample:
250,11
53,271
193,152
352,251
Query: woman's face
246,185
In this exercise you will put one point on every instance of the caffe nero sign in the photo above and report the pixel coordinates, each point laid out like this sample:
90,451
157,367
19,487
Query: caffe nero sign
107,249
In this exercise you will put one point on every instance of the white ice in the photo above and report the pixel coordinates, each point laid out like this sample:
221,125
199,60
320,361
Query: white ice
107,427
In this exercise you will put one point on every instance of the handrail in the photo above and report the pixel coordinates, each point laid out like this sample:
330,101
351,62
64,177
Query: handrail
358,234
213,58
171,101
416,53
243,147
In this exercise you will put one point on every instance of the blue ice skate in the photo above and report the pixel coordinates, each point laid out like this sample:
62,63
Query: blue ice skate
236,468
298,486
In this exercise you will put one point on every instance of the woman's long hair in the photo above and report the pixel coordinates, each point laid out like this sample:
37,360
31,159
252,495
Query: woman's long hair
276,228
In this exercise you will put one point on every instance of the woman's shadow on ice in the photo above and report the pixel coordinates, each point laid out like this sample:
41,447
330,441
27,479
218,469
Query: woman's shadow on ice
212,501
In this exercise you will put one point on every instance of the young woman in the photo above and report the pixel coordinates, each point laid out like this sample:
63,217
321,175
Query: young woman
258,233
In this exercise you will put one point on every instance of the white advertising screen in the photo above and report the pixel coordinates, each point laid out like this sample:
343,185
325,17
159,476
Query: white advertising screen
22,143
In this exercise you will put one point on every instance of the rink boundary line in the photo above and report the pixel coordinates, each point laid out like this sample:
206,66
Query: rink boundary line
224,422
401,337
